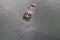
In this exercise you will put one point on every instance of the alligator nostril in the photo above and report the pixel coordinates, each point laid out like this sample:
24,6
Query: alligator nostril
30,11
32,5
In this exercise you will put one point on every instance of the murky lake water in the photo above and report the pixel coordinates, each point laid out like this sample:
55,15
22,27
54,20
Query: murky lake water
44,25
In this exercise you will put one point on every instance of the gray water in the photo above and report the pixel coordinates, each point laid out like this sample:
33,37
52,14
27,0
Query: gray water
44,25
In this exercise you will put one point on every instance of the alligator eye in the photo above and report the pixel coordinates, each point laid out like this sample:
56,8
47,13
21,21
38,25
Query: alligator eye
28,16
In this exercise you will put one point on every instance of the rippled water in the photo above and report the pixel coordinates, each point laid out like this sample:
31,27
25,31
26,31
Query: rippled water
44,25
